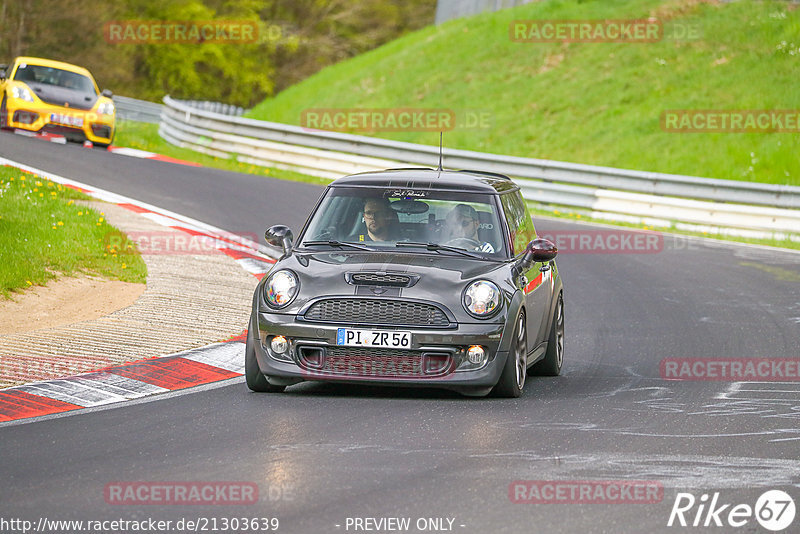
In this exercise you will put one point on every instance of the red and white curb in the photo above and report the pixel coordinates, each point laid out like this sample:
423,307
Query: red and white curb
204,365
122,151
124,382
144,154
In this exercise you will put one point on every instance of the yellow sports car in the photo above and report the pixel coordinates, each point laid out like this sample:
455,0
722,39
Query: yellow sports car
41,95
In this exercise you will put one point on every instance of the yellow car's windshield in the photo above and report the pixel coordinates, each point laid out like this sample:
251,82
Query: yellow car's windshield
39,74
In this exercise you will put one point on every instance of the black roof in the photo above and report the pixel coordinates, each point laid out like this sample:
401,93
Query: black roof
424,178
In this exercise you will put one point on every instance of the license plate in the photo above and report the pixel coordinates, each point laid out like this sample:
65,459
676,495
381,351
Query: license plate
352,337
66,120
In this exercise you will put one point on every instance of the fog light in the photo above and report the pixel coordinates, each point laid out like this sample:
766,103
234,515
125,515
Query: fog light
279,344
476,354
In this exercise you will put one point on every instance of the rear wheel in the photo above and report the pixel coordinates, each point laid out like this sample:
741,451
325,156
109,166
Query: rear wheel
255,379
512,380
554,357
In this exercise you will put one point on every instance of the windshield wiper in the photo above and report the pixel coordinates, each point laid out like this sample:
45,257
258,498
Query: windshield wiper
437,247
339,244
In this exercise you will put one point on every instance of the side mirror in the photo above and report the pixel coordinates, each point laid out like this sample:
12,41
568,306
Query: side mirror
107,93
538,251
280,236
3,68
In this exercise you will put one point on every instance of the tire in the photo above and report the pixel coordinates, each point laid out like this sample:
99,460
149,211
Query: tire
255,379
512,380
554,357
3,114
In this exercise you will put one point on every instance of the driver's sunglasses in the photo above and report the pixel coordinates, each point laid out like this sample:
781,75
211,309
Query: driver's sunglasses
373,214
466,222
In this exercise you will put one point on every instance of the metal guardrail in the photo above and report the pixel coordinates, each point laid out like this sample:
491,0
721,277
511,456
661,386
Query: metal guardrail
137,110
453,9
144,111
771,209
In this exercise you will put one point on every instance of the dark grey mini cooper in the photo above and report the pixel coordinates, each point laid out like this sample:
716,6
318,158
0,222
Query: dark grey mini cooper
411,277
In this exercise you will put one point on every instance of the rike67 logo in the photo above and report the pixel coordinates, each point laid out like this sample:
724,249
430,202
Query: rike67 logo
774,510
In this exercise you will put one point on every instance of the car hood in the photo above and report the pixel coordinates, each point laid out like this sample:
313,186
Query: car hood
61,96
441,277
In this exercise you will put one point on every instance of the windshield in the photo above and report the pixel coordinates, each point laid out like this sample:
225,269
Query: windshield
382,218
52,76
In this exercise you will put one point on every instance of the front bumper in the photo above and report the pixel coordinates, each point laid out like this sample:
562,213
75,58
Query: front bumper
44,118
436,358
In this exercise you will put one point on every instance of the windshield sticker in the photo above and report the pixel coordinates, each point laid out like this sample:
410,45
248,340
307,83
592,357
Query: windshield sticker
406,193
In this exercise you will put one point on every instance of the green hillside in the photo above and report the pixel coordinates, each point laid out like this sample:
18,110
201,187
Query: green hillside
597,103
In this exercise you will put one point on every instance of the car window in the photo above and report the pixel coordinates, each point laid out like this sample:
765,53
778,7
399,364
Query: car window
52,76
518,218
384,217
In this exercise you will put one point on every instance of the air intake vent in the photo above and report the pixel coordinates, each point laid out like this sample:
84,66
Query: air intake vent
381,279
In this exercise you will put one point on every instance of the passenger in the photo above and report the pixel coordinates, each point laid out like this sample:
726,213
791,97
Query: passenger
462,226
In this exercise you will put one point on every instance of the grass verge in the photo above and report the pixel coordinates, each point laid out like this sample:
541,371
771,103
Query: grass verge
45,233
598,103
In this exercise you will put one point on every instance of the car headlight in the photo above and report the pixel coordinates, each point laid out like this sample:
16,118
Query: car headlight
481,298
23,93
106,108
281,288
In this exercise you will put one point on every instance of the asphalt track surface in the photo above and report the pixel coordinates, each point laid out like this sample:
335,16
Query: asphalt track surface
323,453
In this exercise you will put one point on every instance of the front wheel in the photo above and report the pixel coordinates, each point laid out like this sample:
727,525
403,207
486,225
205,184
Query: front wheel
512,380
554,357
4,114
255,379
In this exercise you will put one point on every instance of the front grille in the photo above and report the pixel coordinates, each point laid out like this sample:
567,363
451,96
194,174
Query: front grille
377,363
376,311
380,279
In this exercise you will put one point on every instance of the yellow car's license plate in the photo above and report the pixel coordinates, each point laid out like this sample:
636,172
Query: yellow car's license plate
353,337
66,120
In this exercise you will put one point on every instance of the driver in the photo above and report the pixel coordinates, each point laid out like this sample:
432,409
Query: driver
380,219
462,225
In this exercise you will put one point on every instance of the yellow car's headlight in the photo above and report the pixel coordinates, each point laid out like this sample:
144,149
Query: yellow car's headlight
23,93
106,108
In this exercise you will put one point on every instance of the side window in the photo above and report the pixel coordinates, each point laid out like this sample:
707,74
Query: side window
519,221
